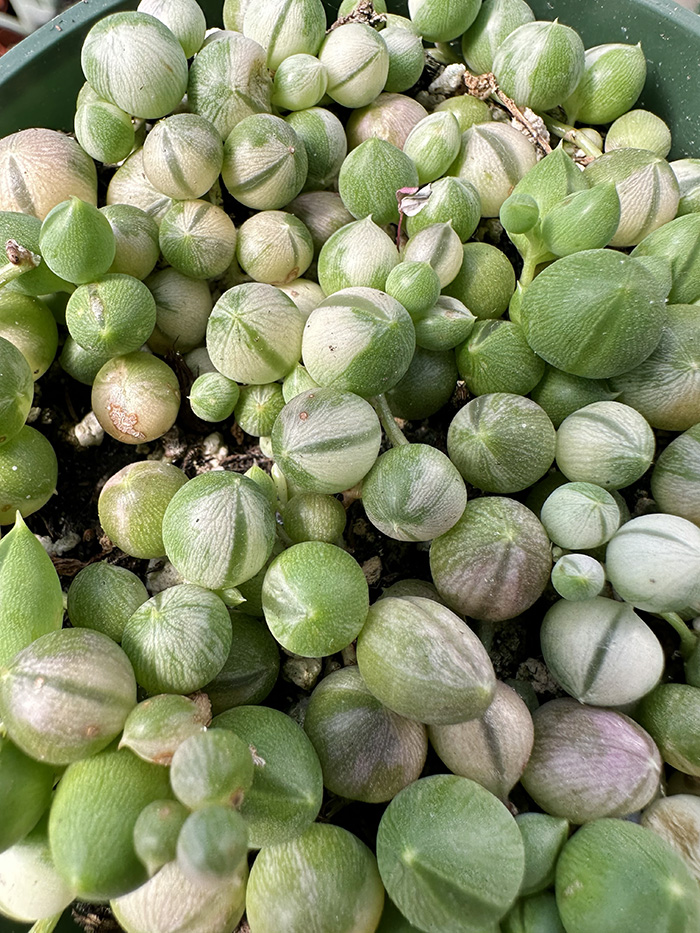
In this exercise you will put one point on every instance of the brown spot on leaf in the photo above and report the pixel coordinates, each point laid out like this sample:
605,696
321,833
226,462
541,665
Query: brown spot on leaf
124,421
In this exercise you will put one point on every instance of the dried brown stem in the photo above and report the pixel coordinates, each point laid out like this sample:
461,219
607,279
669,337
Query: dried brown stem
363,13
485,86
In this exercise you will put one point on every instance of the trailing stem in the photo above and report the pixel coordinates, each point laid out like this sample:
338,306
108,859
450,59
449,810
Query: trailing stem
572,135
391,428
688,639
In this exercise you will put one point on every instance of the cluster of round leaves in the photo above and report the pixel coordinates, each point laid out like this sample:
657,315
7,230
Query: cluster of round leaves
598,349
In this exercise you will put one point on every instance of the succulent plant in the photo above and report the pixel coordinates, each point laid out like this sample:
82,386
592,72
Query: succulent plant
129,185
136,240
580,516
183,308
601,651
254,333
357,62
283,801
426,386
639,129
389,117
285,29
52,167
578,577
537,912
30,887
614,876
212,844
211,768
229,81
113,316
370,177
198,239
136,397
17,391
173,897
212,553
647,189
155,833
320,856
213,397
612,80
485,281
413,493
676,242
406,58
135,62
491,749
495,20
493,157
26,788
132,504
359,254
67,695
674,479
653,576
501,442
450,855
178,640
484,573
367,752
183,155
274,247
439,246
323,136
184,18
451,682
322,212
676,820
310,516
315,599
605,443
442,21
415,285
496,357
297,381
670,714
358,340
65,231
265,162
250,671
662,388
300,82
28,474
561,394
468,110
157,726
314,434
104,131
103,597
588,286
588,763
543,837
687,175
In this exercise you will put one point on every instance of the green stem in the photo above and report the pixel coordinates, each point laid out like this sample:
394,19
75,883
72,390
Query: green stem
391,428
19,261
688,639
528,273
572,135
47,925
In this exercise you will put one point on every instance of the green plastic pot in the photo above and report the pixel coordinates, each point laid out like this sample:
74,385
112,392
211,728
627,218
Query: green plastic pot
40,78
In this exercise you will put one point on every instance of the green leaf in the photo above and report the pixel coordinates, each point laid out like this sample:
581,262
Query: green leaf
31,601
